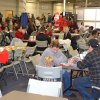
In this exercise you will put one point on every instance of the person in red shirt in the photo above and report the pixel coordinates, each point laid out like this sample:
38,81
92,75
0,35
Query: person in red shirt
73,25
0,27
20,32
63,23
49,30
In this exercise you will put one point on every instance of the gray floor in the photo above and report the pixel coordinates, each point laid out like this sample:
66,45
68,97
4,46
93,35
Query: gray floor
21,83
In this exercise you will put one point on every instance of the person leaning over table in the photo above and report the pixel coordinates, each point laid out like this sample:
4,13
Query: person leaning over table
58,58
92,62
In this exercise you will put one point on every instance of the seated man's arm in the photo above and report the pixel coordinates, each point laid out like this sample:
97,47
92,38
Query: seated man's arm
86,63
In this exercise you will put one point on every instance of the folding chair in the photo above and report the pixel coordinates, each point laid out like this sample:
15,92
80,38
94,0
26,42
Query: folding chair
2,71
35,59
41,44
72,52
15,40
44,87
49,72
29,52
20,44
18,54
52,74
82,45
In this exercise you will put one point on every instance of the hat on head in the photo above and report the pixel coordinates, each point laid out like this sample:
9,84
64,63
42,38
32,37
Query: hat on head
93,43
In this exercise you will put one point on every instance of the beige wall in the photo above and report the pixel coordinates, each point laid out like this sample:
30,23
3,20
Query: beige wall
45,8
17,6
39,8
32,8
7,5
21,6
58,7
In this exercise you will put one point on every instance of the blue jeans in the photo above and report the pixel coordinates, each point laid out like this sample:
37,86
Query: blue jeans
66,82
81,84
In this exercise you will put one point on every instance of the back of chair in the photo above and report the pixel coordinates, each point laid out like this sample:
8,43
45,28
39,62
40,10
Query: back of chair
35,59
14,40
81,43
72,52
66,43
41,43
18,53
44,87
10,57
20,44
49,72
30,50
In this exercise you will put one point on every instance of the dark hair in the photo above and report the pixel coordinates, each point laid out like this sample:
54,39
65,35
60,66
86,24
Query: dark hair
23,27
93,43
94,32
82,23
19,25
42,29
91,27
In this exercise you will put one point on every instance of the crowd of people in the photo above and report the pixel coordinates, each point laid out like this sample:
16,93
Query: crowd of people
43,30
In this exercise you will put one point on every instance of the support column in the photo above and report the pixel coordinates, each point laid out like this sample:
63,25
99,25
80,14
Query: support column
64,9
86,2
74,10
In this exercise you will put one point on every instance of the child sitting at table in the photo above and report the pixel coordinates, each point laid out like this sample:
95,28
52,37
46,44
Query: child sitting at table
48,61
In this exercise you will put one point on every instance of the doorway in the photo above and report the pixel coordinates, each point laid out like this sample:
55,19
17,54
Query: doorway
8,13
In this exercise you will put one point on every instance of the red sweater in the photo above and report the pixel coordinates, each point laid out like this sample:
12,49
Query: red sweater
19,35
4,56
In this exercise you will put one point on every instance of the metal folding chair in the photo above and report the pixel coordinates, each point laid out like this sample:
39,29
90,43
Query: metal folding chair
41,44
52,74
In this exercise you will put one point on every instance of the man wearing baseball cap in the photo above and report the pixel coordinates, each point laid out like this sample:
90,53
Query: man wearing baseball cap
93,43
92,62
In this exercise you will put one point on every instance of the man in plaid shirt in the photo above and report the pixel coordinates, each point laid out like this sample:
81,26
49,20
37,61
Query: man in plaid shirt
92,62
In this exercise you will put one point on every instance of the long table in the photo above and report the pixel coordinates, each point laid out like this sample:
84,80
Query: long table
16,95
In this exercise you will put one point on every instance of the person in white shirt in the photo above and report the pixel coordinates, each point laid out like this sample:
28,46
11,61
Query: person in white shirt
37,23
82,28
